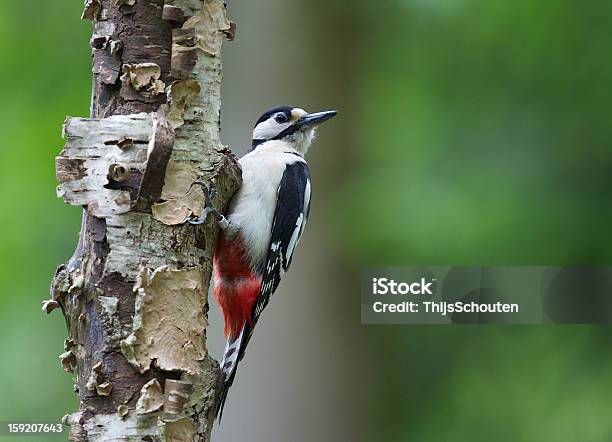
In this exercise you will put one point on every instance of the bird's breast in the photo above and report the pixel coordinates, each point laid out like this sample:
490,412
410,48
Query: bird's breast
251,210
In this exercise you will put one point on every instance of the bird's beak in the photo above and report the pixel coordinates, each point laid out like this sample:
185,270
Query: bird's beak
316,118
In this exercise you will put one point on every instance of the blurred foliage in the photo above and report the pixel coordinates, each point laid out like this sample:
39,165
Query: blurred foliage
45,75
478,132
482,135
492,383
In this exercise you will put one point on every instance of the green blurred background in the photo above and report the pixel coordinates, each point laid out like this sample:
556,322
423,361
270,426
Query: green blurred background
471,132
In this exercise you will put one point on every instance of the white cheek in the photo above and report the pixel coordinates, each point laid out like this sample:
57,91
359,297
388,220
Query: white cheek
268,129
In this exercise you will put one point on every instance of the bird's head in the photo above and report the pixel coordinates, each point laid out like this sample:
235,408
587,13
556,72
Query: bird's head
289,124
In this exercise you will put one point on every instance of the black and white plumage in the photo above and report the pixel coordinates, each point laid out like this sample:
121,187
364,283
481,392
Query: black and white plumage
292,208
264,223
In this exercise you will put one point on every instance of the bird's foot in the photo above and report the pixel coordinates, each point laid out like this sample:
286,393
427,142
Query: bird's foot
209,209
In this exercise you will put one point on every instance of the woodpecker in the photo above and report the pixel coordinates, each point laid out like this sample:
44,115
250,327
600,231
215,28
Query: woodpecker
262,226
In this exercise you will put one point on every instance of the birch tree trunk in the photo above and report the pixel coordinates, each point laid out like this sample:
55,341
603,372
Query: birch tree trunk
134,294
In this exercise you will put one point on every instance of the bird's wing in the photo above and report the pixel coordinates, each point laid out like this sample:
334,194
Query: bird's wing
292,208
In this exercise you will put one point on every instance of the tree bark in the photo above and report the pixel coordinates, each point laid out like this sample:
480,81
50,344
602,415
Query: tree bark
134,294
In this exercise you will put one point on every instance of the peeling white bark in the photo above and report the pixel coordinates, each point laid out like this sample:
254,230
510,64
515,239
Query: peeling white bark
136,239
94,144
135,174
132,428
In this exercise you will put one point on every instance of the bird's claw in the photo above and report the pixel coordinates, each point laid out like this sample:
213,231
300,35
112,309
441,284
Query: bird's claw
209,193
196,222
204,215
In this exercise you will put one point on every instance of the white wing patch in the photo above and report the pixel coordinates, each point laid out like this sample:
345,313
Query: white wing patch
306,205
295,237
307,196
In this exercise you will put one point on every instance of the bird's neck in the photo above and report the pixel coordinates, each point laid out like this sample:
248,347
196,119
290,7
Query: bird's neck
269,146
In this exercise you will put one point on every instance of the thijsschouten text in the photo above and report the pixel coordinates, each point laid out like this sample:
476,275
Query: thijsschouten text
384,286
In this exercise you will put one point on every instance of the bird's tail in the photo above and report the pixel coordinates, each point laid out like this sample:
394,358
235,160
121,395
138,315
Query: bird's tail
234,351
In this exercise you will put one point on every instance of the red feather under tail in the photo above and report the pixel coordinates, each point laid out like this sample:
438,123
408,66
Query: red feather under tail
236,285
236,290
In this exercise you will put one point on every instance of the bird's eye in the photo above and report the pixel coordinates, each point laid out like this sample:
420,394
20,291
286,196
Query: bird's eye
280,118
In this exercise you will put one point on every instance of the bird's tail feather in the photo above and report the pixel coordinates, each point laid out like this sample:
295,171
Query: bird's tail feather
234,351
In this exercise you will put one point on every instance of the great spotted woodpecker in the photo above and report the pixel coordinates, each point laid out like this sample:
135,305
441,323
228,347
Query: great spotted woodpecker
262,226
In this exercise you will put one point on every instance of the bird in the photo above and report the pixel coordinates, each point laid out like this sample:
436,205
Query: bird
262,226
